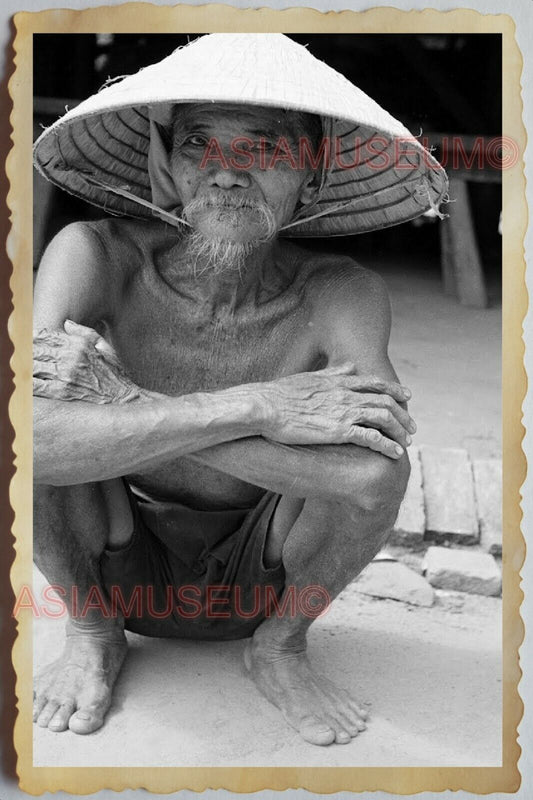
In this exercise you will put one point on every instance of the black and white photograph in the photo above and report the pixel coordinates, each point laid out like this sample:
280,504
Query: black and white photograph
267,378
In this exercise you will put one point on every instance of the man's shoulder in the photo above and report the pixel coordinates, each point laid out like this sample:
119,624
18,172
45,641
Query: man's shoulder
111,234
349,308
113,245
334,278
80,273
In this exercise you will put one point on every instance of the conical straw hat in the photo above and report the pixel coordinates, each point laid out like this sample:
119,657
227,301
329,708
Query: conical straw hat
379,174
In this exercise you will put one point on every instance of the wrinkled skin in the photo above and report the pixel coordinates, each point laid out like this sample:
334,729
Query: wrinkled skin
209,391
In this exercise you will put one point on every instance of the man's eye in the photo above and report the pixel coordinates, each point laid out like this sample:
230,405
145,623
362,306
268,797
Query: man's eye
264,145
197,140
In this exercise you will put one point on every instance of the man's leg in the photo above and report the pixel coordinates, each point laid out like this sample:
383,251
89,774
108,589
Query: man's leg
322,543
72,526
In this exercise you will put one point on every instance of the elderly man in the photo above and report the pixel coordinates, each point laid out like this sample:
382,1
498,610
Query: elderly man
217,422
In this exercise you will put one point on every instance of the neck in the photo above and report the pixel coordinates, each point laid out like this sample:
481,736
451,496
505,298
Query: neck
255,278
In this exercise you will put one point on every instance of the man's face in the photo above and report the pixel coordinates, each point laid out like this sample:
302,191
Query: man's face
232,182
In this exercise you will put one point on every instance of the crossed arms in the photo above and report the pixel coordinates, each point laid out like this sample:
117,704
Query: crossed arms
323,432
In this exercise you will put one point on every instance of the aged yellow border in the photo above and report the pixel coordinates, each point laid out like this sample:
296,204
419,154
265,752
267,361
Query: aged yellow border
132,18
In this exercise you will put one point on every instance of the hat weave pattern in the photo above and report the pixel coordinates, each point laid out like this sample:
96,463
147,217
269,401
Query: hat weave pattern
379,174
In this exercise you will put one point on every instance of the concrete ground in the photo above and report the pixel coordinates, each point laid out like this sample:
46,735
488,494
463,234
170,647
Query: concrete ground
431,677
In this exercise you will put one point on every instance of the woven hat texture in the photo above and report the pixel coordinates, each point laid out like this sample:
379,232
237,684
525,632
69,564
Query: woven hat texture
379,174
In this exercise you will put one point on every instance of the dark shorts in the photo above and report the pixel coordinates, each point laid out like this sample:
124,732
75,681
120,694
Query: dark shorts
194,574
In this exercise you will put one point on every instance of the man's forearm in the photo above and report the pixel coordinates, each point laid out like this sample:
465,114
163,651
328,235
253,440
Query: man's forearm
78,442
301,471
92,423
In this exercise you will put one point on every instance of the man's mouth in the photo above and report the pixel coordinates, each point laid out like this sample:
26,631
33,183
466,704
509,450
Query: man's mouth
220,200
234,219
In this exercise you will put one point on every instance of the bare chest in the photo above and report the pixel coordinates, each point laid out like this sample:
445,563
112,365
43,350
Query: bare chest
169,346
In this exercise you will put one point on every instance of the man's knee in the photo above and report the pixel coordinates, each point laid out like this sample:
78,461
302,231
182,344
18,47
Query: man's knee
381,492
57,504
51,502
93,513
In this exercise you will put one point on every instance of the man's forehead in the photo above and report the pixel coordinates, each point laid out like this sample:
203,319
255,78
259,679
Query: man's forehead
249,116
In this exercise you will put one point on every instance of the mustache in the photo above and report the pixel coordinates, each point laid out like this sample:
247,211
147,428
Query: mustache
227,210
224,201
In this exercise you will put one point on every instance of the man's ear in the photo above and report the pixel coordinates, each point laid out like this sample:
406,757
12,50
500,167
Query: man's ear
309,190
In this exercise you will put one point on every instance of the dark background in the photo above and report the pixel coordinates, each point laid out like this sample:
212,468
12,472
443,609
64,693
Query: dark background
441,81
447,83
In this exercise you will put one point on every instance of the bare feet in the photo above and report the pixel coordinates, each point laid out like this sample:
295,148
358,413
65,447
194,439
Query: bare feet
320,711
75,691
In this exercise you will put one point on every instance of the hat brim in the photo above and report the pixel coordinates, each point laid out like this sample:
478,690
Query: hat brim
379,174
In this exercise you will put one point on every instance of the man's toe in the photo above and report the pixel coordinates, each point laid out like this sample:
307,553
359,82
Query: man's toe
60,720
351,720
47,713
316,731
86,720
38,705
359,710
342,737
342,734
349,725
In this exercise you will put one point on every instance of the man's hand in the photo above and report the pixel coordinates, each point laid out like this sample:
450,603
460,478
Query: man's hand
329,406
334,406
79,365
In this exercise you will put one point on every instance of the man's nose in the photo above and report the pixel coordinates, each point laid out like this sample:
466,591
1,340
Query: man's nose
229,178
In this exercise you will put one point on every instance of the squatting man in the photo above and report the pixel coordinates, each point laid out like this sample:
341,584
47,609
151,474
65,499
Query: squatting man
214,405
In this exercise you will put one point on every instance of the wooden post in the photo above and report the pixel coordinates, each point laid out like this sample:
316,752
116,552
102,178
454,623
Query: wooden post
462,271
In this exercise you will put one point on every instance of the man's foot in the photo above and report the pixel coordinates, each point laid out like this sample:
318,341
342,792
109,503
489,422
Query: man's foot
320,711
75,691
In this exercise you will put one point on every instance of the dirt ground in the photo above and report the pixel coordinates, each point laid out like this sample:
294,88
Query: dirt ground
450,357
431,677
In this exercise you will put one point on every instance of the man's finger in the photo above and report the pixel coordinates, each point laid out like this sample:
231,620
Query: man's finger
48,337
372,383
81,330
90,335
42,388
40,333
374,440
42,351
108,351
347,368
382,419
386,402
45,368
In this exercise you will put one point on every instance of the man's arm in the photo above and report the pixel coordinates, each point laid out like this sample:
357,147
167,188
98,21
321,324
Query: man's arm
110,427
353,325
78,442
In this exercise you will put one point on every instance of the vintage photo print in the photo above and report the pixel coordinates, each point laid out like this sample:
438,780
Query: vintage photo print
266,274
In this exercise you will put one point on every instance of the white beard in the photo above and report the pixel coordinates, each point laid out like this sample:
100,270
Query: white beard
215,253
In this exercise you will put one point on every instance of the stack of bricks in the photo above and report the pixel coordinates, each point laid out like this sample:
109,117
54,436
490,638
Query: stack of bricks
453,506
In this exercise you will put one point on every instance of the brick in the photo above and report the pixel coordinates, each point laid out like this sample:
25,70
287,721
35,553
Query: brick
449,495
488,489
394,581
411,521
468,571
